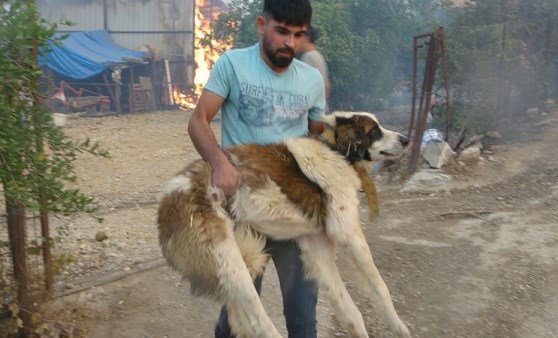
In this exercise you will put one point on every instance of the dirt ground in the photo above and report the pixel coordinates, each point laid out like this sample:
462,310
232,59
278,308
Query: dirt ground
476,257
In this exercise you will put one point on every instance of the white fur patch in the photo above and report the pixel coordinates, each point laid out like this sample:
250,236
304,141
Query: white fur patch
338,180
326,168
269,211
330,118
177,183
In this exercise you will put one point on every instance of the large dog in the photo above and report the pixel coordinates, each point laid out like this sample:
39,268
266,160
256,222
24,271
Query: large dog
304,189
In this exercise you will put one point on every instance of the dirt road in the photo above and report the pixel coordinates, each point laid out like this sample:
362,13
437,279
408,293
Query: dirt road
477,258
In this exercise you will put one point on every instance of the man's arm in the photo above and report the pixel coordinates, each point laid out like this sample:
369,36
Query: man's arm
317,61
315,127
224,176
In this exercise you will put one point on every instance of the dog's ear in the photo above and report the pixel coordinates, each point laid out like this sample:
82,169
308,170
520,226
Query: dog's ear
355,135
364,124
352,138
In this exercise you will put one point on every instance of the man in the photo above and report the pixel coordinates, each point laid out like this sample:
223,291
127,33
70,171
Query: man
310,54
265,96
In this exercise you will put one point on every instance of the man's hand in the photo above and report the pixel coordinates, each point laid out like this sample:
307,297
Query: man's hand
226,177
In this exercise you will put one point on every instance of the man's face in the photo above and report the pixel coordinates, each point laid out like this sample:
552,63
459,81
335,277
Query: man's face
279,42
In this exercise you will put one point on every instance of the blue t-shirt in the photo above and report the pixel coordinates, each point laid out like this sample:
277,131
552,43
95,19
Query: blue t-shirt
262,106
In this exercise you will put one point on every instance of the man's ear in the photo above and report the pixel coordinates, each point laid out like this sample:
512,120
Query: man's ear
260,25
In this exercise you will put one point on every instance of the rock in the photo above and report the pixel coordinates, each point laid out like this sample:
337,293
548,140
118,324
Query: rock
426,180
532,111
494,135
470,155
475,139
100,236
437,154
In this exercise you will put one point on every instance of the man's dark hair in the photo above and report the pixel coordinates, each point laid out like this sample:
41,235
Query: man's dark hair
290,12
313,34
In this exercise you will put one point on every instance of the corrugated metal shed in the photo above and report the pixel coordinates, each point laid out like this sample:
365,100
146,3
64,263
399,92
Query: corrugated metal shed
166,25
163,27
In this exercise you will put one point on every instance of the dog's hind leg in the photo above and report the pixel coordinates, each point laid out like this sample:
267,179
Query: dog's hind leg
352,241
247,316
318,255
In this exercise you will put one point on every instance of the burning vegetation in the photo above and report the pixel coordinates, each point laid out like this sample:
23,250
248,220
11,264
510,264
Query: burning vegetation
207,50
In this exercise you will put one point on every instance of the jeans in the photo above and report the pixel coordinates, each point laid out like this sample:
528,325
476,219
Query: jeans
299,294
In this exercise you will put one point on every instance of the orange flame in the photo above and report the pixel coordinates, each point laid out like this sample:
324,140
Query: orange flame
207,50
183,100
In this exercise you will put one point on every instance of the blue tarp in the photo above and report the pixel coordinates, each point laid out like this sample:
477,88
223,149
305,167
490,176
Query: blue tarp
85,54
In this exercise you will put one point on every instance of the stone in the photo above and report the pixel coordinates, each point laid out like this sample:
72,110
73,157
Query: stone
437,154
427,180
101,236
494,135
470,155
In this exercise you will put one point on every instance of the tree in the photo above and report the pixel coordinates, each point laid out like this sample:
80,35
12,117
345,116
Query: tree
36,157
501,53
501,58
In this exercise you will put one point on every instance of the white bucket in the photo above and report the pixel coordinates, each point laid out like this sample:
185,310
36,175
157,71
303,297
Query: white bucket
59,119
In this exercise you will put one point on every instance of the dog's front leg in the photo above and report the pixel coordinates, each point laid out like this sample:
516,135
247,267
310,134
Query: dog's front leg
370,282
247,316
318,255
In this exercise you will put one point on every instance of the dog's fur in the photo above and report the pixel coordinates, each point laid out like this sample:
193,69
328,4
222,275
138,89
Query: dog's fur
303,189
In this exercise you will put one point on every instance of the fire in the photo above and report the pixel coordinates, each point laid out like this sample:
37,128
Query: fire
206,52
183,100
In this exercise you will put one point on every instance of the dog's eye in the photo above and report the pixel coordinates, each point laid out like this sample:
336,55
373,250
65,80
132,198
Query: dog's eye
375,132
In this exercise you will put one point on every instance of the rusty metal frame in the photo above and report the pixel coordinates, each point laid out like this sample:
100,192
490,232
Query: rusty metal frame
418,122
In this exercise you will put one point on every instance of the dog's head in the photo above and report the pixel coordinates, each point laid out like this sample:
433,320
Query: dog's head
359,136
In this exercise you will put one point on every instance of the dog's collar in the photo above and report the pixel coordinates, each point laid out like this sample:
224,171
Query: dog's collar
329,137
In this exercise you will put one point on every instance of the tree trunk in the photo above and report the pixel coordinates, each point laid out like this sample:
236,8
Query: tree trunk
17,239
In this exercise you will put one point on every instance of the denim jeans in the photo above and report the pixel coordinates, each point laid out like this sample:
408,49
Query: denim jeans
299,295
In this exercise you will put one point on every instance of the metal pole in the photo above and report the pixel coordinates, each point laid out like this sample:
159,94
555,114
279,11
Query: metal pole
428,82
446,82
414,89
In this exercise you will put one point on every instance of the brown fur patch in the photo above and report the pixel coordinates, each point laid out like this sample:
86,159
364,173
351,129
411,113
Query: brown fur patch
189,227
257,163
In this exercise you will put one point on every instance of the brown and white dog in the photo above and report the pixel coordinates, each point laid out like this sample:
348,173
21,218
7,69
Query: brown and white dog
303,189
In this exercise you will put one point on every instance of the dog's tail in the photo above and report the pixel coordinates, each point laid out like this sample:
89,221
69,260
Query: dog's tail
251,245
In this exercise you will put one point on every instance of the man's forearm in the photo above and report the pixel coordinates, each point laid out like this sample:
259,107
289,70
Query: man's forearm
204,141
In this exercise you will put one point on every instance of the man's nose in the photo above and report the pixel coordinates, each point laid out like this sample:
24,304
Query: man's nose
290,41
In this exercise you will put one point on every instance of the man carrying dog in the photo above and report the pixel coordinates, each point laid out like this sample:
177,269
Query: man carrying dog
265,96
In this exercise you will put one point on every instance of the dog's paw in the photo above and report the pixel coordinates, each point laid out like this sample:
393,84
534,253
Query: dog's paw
403,331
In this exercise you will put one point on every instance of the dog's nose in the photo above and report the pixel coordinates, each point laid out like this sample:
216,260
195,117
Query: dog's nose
404,140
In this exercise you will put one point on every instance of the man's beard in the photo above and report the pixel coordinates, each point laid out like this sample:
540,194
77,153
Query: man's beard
276,60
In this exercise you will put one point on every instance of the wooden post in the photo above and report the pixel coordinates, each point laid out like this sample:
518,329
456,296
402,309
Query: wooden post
114,95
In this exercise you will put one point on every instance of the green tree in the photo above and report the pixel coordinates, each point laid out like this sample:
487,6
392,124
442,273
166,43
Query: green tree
36,170
34,154
501,58
238,24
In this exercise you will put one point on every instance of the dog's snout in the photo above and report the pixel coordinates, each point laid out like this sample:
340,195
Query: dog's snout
404,140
